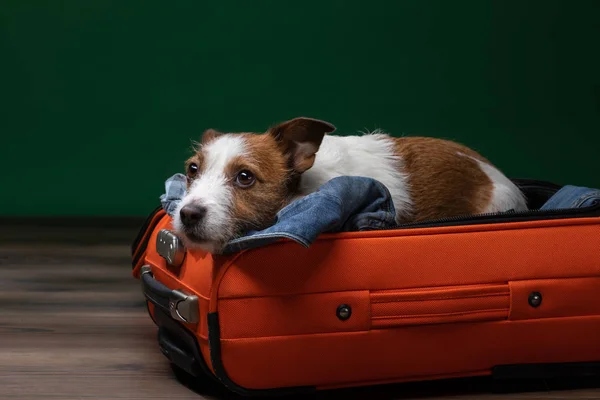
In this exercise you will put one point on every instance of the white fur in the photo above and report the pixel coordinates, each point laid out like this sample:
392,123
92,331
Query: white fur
211,189
506,195
371,155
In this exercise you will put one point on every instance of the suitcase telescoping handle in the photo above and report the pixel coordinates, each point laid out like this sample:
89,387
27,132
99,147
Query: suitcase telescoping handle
181,306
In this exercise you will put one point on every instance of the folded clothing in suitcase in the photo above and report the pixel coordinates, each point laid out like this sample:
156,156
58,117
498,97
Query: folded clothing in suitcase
510,295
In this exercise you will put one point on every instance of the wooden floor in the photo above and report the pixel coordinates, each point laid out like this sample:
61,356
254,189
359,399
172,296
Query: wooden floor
73,326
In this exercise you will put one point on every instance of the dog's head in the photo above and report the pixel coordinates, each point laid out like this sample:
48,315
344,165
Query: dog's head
239,181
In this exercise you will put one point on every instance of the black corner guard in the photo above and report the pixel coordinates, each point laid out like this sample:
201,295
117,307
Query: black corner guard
214,343
546,371
177,354
180,346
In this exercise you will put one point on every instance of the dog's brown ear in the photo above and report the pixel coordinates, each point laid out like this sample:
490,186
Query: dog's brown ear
300,139
209,135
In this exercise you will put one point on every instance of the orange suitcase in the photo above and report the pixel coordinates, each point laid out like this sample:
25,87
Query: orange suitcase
506,295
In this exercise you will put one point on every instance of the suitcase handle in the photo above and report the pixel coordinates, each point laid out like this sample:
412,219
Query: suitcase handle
435,305
181,306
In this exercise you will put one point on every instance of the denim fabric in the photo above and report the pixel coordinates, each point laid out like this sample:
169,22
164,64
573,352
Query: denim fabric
175,189
343,204
572,197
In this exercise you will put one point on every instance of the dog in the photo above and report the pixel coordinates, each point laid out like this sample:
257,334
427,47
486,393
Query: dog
239,181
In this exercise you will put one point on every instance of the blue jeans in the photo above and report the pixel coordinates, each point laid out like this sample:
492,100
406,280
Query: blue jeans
343,204
573,197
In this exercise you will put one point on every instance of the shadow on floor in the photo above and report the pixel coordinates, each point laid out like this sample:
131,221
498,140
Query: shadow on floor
484,387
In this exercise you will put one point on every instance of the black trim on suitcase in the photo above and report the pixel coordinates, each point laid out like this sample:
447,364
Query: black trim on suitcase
214,344
537,192
547,371
499,218
181,347
170,347
135,245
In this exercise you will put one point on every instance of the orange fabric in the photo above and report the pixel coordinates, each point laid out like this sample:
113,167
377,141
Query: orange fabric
439,305
221,265
410,353
449,256
293,315
560,298
426,303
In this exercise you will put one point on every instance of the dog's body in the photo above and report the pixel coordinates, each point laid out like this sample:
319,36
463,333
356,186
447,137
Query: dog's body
240,181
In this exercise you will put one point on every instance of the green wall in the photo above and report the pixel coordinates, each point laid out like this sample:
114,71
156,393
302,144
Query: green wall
100,99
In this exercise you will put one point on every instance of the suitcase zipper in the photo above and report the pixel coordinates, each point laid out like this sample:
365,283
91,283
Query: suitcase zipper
509,216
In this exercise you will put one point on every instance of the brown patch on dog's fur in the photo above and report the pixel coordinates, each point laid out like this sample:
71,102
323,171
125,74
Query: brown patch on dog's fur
278,156
442,183
197,159
255,206
209,135
299,139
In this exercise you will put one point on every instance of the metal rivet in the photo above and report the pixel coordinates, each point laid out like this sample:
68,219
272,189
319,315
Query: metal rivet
535,299
344,312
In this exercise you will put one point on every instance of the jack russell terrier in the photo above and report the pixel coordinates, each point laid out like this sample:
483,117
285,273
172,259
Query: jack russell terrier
239,181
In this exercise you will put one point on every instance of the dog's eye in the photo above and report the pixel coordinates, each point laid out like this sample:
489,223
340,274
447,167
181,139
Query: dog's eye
245,178
192,169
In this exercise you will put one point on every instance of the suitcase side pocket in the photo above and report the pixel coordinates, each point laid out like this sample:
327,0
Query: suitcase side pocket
472,303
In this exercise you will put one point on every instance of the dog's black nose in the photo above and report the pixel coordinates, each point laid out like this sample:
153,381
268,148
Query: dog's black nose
191,215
